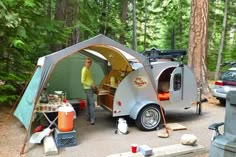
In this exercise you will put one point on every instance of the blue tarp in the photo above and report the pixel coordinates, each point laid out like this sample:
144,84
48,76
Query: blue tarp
25,107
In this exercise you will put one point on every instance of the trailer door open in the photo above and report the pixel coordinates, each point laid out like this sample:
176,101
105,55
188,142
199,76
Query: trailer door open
176,85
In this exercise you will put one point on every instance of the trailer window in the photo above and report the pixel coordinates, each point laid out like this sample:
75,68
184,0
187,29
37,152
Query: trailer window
177,82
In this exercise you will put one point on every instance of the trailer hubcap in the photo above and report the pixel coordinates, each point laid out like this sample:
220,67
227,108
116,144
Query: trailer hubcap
150,118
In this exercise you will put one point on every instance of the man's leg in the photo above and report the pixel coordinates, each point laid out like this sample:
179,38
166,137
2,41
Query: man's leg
91,106
87,105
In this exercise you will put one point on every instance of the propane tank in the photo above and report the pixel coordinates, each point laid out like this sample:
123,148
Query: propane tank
122,126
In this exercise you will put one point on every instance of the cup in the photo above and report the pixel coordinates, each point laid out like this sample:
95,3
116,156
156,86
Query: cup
134,148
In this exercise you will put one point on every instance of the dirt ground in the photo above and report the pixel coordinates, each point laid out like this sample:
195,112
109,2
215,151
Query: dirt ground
12,132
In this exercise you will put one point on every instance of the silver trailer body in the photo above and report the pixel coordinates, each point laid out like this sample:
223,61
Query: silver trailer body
186,94
135,92
136,97
132,94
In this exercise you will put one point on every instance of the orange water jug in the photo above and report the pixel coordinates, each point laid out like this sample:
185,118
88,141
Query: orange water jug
65,118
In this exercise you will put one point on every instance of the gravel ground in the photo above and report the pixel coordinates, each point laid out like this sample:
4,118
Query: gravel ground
12,134
100,140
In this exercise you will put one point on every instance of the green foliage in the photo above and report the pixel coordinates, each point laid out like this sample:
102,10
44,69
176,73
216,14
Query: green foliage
162,17
28,30
215,29
24,36
9,88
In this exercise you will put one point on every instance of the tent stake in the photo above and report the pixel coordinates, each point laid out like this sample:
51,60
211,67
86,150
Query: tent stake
24,145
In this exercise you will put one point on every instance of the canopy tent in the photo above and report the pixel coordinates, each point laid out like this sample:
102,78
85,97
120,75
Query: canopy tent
67,73
49,67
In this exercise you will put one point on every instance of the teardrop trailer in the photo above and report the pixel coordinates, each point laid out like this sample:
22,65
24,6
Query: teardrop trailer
131,95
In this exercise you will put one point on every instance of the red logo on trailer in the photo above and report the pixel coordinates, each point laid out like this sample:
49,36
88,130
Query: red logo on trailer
140,82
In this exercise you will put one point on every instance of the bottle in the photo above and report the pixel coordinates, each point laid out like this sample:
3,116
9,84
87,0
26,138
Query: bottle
112,81
44,96
64,97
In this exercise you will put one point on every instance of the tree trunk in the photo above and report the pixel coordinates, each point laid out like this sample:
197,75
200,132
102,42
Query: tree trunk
49,9
145,26
71,14
67,11
219,59
134,45
123,20
172,38
60,10
198,41
103,27
60,16
180,25
213,35
232,31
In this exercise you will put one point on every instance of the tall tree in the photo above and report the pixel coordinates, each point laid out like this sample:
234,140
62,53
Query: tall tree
123,20
134,45
59,16
66,12
72,10
219,59
198,40
145,25
104,17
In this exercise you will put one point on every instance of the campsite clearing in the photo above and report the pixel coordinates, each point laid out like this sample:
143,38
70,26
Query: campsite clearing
102,135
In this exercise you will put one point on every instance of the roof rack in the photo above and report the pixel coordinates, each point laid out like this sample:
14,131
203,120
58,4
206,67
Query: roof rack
154,53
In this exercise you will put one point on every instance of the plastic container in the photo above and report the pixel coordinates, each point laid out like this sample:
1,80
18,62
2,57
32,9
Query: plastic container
65,118
112,81
82,104
65,139
122,126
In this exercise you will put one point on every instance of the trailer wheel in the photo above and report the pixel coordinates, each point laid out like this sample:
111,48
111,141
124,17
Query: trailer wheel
149,118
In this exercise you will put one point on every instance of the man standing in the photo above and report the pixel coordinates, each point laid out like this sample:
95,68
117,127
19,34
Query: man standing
88,85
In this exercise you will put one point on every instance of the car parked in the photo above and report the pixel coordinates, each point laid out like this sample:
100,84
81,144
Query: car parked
226,83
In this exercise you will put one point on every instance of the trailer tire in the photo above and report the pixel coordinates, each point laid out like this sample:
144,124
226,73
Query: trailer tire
149,118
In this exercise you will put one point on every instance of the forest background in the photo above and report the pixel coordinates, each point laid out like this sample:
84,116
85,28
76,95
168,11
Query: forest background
30,29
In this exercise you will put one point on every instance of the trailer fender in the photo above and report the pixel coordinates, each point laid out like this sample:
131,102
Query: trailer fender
137,108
